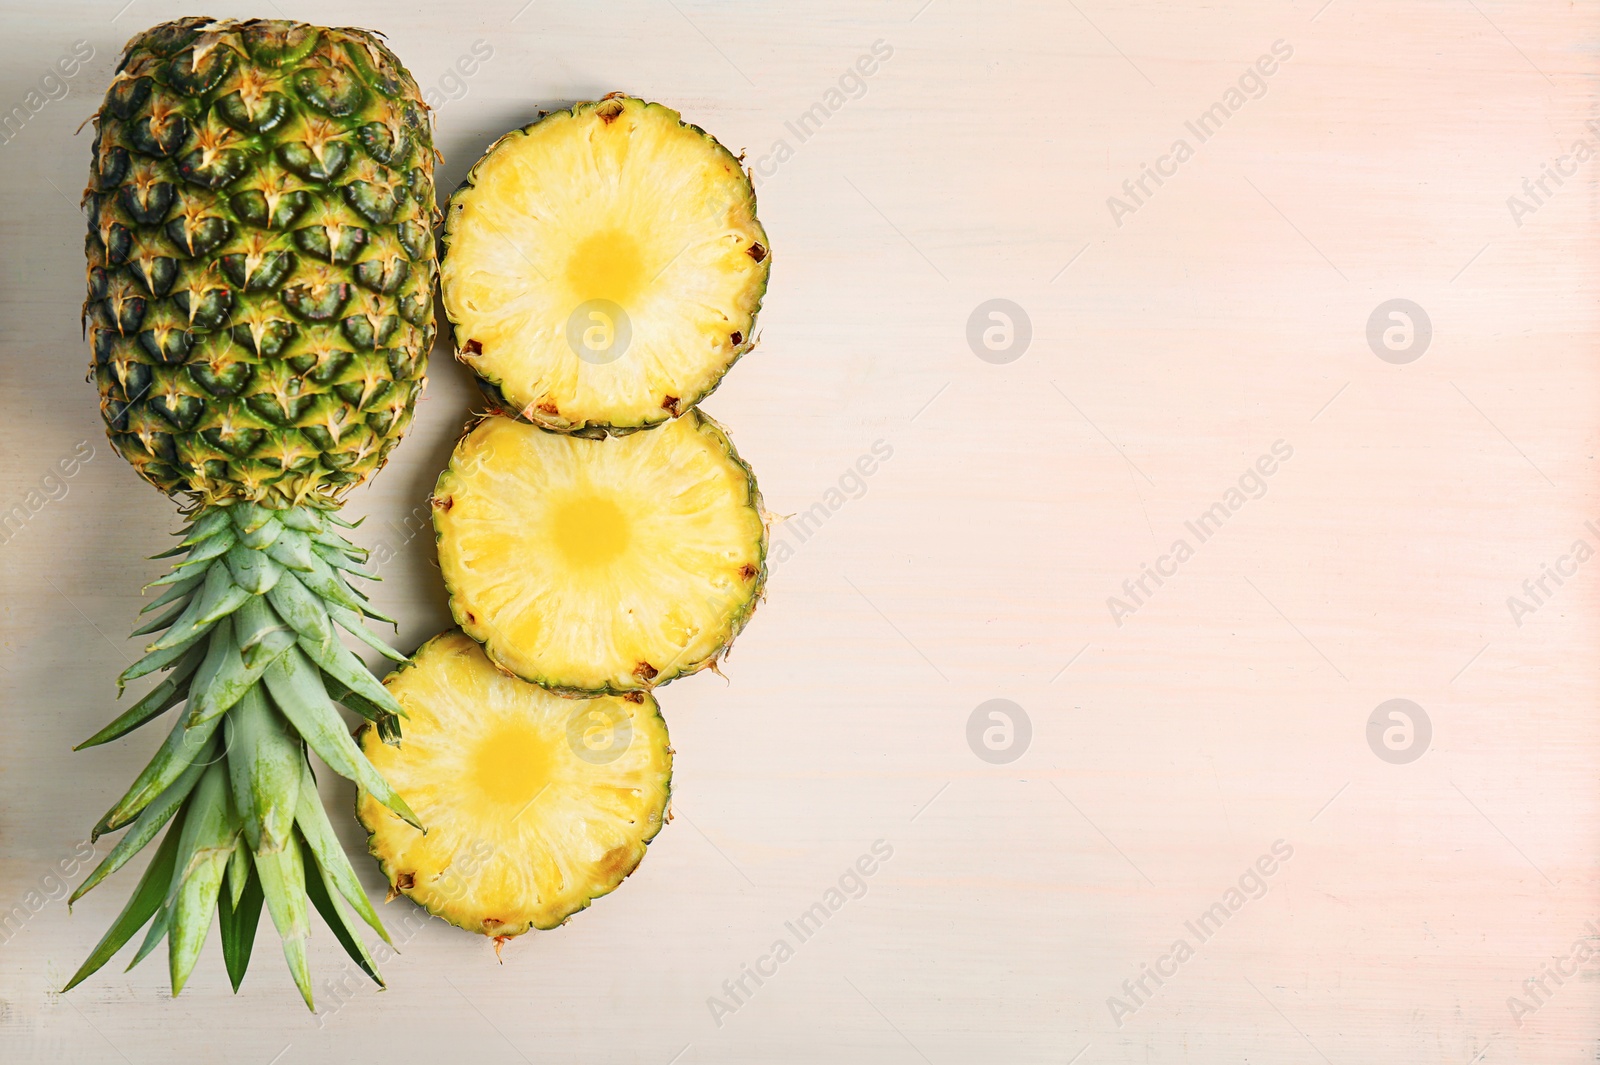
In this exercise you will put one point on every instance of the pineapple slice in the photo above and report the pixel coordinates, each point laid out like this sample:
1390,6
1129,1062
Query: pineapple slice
604,267
535,804
600,566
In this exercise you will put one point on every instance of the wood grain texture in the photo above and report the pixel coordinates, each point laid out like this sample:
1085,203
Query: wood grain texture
1226,312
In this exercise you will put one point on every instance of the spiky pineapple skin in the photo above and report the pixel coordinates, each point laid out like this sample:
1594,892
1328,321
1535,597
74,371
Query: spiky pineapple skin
261,264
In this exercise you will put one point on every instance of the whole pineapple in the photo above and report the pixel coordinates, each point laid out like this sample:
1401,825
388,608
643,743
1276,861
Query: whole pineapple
261,274
261,263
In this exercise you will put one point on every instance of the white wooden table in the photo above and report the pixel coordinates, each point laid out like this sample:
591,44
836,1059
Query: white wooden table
1176,338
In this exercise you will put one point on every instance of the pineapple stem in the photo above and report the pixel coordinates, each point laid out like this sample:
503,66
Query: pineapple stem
252,651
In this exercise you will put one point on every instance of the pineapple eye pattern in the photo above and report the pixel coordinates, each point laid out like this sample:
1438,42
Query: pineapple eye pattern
270,211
